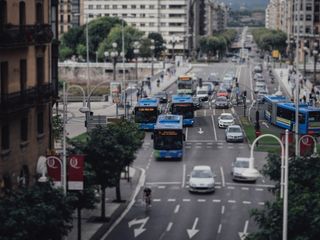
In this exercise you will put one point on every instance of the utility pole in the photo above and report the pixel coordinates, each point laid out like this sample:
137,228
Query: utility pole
297,84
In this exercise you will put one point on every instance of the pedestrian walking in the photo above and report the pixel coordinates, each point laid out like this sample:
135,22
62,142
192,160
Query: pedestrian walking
304,99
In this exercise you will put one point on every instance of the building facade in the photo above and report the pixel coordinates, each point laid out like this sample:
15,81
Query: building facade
216,17
167,17
68,14
28,86
273,19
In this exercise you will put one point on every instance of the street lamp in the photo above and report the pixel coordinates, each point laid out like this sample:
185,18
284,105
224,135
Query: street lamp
152,47
136,51
284,175
315,53
173,41
305,53
164,46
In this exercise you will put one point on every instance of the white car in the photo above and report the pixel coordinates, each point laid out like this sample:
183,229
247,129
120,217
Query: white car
201,179
241,172
260,86
225,120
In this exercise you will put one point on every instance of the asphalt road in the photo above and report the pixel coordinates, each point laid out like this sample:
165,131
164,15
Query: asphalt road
178,214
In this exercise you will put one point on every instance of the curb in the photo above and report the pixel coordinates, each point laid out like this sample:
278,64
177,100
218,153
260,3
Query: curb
105,227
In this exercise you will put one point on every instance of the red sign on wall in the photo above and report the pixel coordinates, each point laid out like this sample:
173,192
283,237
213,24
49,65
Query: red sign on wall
54,165
75,172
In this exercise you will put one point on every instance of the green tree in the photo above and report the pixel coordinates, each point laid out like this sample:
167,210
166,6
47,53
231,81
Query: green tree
72,38
158,43
82,51
109,150
57,127
144,50
65,53
303,204
39,212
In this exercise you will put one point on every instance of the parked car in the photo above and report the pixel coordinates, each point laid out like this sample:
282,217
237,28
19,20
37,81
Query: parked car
257,76
162,96
234,133
240,170
225,120
260,86
257,69
201,179
222,102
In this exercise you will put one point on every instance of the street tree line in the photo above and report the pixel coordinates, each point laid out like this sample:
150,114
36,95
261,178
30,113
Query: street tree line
217,45
104,31
268,40
43,212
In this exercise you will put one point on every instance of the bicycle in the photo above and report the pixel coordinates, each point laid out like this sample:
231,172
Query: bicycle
147,197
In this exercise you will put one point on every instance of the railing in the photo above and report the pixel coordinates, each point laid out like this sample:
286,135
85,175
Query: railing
12,36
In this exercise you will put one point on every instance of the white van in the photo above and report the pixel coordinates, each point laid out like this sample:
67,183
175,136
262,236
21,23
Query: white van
203,93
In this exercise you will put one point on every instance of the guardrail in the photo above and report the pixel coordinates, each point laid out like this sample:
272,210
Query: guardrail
103,98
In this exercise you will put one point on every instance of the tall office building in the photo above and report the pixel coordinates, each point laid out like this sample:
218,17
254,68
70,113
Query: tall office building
68,14
28,86
216,17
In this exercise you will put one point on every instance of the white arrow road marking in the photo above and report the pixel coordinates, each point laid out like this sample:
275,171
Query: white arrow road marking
193,231
200,131
265,124
243,234
141,229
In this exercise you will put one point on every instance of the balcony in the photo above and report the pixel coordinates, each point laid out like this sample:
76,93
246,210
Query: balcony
16,101
13,36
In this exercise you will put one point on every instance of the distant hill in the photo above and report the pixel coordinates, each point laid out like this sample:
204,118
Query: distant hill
236,5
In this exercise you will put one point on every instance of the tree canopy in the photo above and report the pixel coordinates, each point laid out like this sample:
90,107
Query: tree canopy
38,212
269,40
303,204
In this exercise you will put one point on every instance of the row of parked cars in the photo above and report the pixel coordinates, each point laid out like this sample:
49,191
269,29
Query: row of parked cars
260,88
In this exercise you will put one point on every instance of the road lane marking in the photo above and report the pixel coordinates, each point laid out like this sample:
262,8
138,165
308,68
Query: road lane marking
161,187
188,147
246,202
218,187
232,201
222,209
163,183
187,134
230,187
202,200
176,210
259,189
261,203
245,188
186,200
216,200
171,200
183,176
222,177
219,229
214,129
250,185
198,146
169,226
156,200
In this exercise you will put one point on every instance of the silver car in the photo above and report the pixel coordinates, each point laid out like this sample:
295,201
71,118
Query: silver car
234,134
202,179
225,120
241,171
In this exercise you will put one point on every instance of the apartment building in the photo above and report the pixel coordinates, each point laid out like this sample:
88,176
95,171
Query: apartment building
216,17
167,17
69,15
28,86
273,19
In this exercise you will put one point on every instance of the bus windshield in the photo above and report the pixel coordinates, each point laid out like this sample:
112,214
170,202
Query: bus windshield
184,85
314,116
146,114
168,139
185,109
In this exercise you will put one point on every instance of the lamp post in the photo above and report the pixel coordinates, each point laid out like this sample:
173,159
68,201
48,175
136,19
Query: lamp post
152,47
284,175
305,53
173,42
315,53
114,55
164,55
136,51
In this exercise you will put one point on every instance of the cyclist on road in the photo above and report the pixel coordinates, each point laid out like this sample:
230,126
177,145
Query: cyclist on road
147,195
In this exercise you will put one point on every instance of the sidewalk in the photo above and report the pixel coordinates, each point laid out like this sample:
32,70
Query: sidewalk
92,229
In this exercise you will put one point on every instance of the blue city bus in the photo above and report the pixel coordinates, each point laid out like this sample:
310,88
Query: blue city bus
309,118
146,112
271,102
183,105
168,137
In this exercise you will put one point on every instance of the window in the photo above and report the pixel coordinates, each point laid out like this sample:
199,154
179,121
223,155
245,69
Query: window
3,14
308,29
142,15
61,18
114,6
142,6
23,74
69,18
142,24
163,6
39,13
90,6
61,29
40,122
124,6
151,6
308,17
163,24
106,6
133,6
40,71
309,6
4,77
98,6
24,129
151,24
22,13
5,140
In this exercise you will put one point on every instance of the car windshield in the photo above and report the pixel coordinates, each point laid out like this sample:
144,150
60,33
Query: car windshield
226,117
222,91
241,164
234,129
202,92
201,174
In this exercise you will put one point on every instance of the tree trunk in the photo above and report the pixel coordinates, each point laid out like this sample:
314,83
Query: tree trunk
79,223
103,202
118,192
